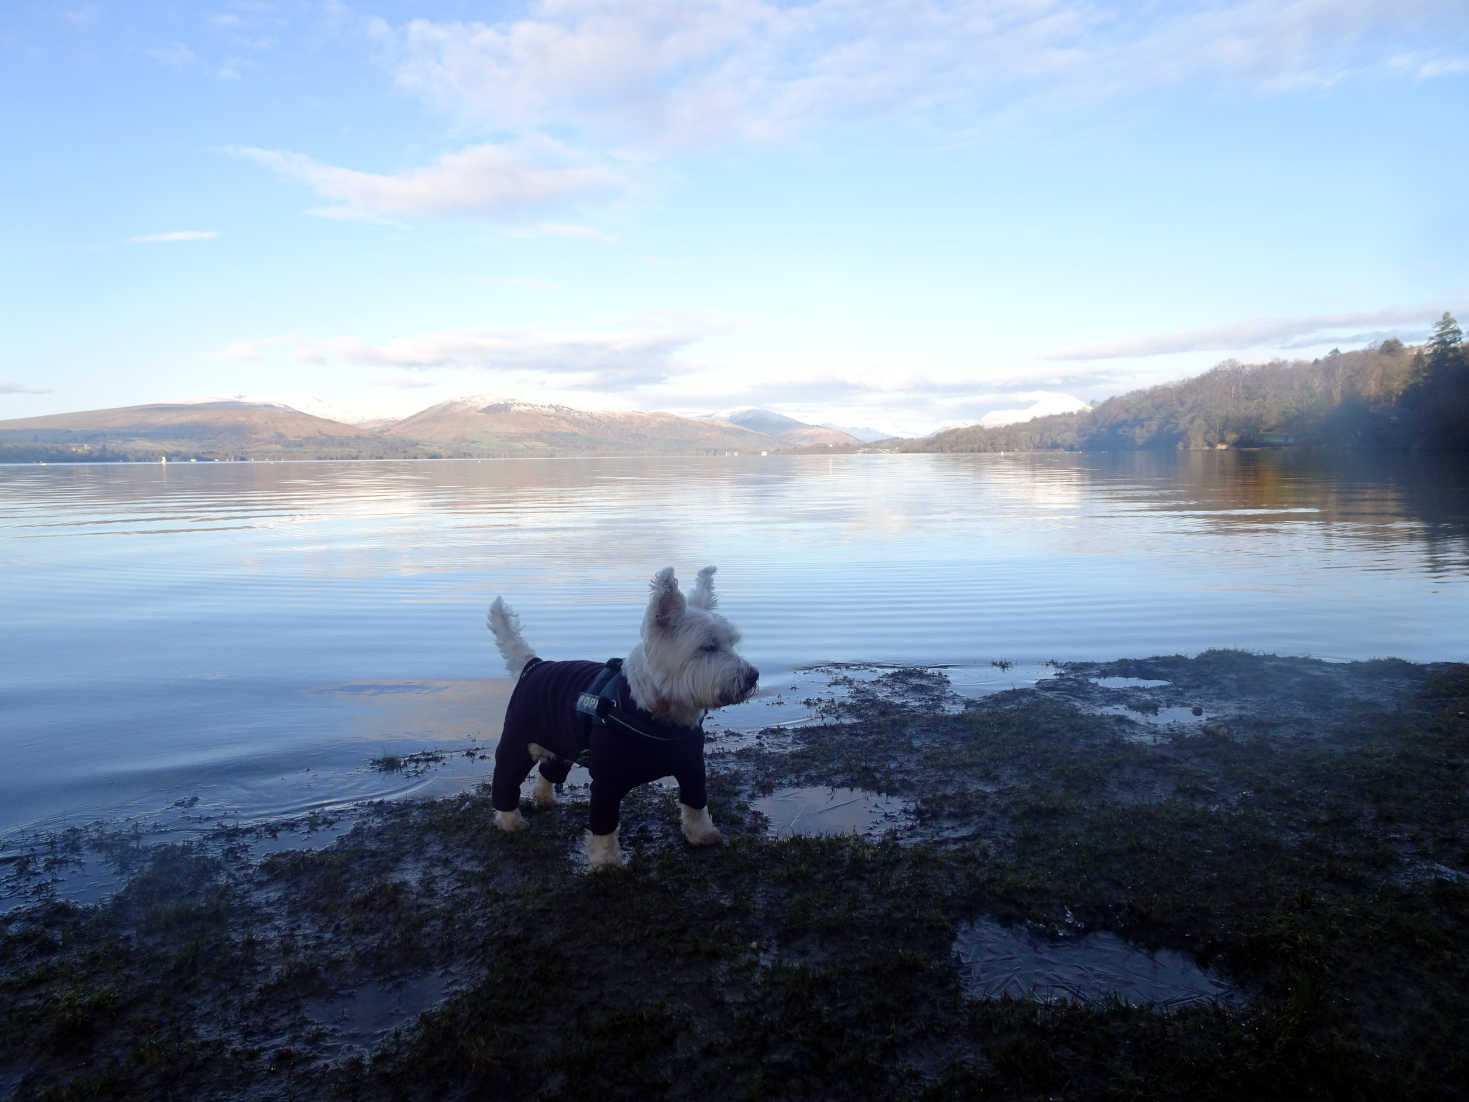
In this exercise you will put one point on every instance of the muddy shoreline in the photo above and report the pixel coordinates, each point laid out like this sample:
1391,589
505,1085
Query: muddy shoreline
1228,876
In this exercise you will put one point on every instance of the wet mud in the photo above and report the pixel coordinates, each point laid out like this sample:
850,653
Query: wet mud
1225,876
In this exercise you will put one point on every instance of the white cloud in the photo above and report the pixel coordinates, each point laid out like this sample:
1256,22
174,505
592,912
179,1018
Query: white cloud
407,382
528,283
84,17
1259,333
556,229
243,351
1427,68
175,55
1453,66
621,85
1042,404
22,388
482,179
1362,339
614,360
680,72
176,235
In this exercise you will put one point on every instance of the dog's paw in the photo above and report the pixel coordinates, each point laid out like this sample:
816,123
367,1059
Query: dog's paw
510,821
698,828
604,852
544,795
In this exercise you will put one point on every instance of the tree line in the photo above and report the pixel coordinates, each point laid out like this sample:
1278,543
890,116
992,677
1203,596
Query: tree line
1388,396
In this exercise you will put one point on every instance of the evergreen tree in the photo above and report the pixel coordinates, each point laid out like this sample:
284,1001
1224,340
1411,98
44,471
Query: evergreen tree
1447,344
1442,399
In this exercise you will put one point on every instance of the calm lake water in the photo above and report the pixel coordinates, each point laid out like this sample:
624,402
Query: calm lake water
245,638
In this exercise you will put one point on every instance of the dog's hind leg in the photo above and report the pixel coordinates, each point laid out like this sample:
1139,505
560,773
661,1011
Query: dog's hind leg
553,771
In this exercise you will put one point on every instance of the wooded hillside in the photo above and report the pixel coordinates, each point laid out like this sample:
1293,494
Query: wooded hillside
1386,396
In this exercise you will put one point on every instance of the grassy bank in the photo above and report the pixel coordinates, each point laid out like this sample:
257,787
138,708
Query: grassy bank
1306,838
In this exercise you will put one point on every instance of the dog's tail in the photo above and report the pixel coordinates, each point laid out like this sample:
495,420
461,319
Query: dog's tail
505,626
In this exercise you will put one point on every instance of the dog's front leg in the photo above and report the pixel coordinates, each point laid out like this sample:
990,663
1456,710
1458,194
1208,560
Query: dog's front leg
604,852
511,821
693,800
697,827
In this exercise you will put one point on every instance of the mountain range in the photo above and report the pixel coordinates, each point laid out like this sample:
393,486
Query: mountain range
459,428
1388,395
797,434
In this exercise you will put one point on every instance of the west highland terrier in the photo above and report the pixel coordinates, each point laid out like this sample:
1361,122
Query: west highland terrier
629,722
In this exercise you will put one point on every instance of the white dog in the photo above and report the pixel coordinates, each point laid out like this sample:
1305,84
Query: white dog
630,721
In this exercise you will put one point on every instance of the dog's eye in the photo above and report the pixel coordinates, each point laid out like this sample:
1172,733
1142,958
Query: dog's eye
709,648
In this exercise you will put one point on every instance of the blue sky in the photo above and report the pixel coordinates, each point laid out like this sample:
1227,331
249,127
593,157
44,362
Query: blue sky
899,215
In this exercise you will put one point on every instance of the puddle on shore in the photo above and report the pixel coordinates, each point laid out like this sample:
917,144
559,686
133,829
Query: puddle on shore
999,960
1172,717
89,867
1138,708
824,810
1129,683
829,691
362,1017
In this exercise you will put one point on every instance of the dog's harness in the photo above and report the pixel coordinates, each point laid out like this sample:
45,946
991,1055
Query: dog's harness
600,698
601,703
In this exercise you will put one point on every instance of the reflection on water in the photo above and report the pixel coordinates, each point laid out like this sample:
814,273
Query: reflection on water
188,630
793,811
998,960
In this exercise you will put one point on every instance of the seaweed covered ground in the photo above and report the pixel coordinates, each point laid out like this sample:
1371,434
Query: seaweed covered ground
1292,830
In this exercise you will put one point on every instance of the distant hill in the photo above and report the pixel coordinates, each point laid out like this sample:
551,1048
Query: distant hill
464,427
204,430
485,426
301,402
864,434
186,418
1388,396
787,430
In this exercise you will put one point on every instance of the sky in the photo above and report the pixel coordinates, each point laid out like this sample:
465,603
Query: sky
904,216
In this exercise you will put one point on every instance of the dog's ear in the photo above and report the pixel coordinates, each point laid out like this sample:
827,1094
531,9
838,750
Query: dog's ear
703,594
666,604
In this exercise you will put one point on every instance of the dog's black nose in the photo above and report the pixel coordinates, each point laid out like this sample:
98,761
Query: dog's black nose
752,676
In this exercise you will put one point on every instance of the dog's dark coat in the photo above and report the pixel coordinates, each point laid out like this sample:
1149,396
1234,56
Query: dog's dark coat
542,710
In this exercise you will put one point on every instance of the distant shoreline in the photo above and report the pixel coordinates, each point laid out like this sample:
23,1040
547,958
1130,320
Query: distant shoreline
1303,449
1385,397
